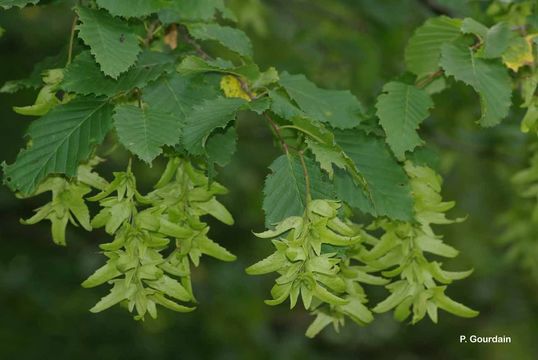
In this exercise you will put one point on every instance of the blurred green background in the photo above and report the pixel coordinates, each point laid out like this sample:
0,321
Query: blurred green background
355,44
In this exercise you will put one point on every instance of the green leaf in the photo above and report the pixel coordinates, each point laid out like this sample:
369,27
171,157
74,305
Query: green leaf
487,77
471,26
7,4
221,146
387,185
337,108
205,118
195,65
285,188
423,51
519,53
83,76
193,10
131,8
60,141
231,38
112,42
327,156
177,94
145,131
401,110
260,105
268,77
282,106
497,40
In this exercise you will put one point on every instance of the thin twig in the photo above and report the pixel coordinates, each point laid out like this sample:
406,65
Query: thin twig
426,81
272,123
72,40
189,40
277,132
245,88
138,95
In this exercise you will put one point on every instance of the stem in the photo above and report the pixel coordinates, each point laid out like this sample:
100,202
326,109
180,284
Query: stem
71,40
189,40
139,97
278,134
424,82
274,125
245,88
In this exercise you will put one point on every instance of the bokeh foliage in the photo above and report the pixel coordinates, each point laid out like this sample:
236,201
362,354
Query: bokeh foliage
339,44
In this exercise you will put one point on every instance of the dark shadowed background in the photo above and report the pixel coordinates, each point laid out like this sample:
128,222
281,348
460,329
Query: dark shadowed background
355,44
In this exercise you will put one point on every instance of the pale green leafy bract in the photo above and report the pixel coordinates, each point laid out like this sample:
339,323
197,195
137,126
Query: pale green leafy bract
487,77
337,108
205,118
67,204
402,252
234,39
60,141
114,45
326,282
145,131
35,79
401,109
83,76
285,188
424,48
